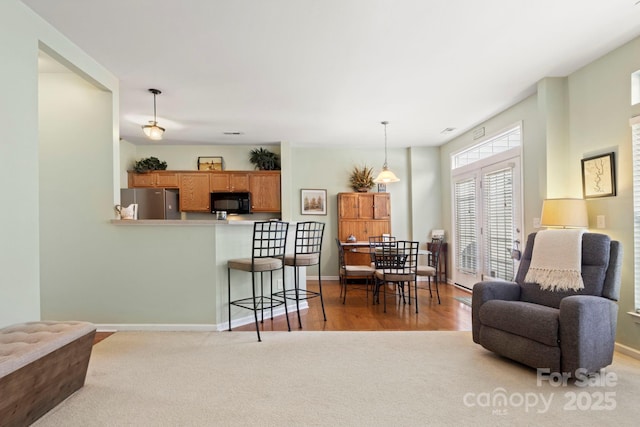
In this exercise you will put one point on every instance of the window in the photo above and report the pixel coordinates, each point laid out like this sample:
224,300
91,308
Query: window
635,132
489,147
487,208
466,237
499,222
635,88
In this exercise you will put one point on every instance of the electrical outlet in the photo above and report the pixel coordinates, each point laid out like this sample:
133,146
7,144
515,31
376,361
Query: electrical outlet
536,222
601,223
279,284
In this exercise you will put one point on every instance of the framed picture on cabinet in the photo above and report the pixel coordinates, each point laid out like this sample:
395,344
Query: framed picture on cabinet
210,164
313,201
599,176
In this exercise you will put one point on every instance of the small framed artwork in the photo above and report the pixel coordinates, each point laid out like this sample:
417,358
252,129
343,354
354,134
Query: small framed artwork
382,188
210,164
313,202
599,176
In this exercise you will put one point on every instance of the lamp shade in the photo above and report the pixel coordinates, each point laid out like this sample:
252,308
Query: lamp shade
153,131
566,213
386,176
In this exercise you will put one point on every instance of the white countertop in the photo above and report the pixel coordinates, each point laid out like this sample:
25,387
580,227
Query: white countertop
179,222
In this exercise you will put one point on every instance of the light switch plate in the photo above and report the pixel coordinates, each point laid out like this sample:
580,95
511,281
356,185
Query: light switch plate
536,222
601,223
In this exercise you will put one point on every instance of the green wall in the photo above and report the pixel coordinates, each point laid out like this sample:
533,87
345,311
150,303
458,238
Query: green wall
568,119
19,264
61,258
599,113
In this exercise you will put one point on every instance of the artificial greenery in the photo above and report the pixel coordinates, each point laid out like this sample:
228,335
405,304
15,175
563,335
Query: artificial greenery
264,159
361,178
149,164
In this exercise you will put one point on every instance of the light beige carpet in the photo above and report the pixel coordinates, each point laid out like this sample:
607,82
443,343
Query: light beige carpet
330,379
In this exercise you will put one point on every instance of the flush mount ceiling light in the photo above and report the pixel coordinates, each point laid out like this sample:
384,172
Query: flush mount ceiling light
152,130
386,176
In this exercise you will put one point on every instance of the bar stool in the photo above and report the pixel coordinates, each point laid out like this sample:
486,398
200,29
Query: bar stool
308,247
269,242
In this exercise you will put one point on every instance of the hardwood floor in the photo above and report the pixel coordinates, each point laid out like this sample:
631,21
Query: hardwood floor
359,314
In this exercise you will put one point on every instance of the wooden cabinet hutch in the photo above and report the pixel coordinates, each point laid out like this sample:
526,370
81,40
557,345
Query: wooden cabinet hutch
363,215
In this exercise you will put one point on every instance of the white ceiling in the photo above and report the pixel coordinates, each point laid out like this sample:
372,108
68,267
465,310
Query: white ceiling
326,72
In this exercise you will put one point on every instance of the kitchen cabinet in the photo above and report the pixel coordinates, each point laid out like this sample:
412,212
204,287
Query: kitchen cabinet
229,181
154,179
363,215
196,186
265,191
194,192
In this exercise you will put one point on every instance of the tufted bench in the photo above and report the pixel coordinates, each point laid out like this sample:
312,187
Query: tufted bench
41,364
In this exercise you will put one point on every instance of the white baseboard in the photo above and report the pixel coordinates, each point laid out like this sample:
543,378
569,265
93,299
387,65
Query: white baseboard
196,327
336,278
631,352
156,327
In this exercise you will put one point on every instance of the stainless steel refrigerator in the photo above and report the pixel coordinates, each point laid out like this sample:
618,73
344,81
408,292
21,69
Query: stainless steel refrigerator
153,203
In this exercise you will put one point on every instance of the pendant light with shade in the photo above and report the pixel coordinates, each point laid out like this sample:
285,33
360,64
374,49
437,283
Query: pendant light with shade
152,130
386,176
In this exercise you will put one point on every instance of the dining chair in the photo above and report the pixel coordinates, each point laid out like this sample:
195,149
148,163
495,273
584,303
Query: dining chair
267,255
376,243
433,265
352,271
307,253
396,265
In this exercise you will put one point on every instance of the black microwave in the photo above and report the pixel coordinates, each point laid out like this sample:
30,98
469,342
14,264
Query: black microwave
231,203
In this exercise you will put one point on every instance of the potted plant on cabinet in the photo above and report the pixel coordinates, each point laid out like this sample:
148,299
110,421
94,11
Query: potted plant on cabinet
362,178
149,164
264,159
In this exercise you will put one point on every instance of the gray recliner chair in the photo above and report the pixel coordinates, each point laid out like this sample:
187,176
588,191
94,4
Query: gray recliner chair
559,330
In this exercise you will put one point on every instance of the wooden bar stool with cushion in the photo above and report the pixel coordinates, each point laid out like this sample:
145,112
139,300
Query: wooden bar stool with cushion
431,269
308,247
352,271
269,242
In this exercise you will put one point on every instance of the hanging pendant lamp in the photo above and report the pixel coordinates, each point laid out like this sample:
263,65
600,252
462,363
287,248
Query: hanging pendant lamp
386,176
152,130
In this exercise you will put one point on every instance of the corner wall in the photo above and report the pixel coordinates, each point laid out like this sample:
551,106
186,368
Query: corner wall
19,262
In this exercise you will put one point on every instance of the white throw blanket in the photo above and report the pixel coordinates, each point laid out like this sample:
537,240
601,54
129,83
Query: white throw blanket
556,260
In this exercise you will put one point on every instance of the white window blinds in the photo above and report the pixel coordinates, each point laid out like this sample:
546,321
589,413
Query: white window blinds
465,215
635,131
498,228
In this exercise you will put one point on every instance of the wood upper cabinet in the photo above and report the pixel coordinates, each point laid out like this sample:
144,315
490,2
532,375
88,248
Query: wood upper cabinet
381,206
229,181
265,191
364,206
154,179
196,186
363,215
194,192
348,206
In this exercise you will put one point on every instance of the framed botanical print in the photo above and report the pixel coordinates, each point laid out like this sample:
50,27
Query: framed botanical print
599,176
313,202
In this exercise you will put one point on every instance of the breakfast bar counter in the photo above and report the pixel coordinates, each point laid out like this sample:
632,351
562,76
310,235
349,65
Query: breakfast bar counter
191,256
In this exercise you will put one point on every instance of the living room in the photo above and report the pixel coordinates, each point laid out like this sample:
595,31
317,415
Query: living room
61,257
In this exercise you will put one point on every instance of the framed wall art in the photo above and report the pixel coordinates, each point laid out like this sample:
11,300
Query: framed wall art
313,202
599,176
210,164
